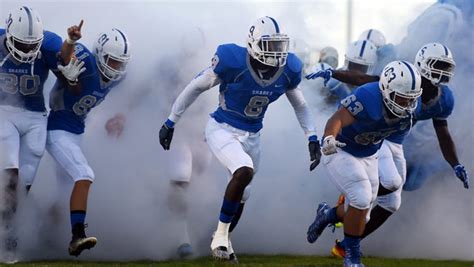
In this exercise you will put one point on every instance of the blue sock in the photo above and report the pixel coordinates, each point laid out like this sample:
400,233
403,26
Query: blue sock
228,210
77,216
352,247
332,216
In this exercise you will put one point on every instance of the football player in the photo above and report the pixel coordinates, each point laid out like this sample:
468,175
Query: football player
436,64
90,77
360,56
250,79
352,137
438,103
27,54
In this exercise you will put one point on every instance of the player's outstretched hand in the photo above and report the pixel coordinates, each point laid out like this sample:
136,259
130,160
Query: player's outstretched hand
72,70
330,145
314,153
115,125
74,32
166,134
325,74
462,175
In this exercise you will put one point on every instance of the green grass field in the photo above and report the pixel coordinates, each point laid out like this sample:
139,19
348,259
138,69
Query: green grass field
252,260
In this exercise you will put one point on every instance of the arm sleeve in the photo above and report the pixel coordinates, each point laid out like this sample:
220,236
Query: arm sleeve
302,111
203,82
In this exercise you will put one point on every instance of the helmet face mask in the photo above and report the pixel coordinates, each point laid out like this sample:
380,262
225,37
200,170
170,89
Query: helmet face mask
24,34
266,44
400,85
435,63
112,54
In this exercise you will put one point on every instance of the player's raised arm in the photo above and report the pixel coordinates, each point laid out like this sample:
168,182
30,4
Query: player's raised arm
202,82
67,49
305,118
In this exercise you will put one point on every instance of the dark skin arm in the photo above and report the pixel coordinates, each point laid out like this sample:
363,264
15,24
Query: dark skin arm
446,142
353,77
338,120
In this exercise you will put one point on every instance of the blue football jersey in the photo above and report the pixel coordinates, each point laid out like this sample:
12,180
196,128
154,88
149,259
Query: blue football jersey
68,111
439,108
364,137
21,84
244,96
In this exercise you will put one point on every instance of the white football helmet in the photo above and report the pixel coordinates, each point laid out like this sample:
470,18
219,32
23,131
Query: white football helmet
373,35
266,44
24,32
112,53
330,56
400,84
361,56
435,62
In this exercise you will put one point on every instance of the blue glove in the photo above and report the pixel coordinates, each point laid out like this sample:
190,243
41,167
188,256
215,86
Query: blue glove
462,175
325,74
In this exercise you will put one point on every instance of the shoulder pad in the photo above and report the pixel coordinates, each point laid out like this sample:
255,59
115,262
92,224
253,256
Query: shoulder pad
231,55
371,98
294,63
51,42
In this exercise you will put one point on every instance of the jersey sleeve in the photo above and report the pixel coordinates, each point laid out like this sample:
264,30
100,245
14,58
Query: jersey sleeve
358,104
50,49
83,54
219,63
296,69
447,105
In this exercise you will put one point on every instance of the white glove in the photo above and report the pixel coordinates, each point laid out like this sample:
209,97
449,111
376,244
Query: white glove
330,144
72,70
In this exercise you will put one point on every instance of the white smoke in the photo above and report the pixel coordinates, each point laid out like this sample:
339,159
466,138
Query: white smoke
127,206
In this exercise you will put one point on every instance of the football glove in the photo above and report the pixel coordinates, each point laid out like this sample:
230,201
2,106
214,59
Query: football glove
325,74
72,70
314,152
462,175
166,134
330,144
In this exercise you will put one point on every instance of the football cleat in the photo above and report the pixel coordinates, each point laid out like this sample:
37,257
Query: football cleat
219,247
78,244
338,250
320,222
232,256
80,241
185,250
348,263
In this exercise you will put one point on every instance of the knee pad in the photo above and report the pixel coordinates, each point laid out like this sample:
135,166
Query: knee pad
246,194
243,176
390,202
392,184
360,199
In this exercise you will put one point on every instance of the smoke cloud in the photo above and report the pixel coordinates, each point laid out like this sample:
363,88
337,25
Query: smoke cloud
128,209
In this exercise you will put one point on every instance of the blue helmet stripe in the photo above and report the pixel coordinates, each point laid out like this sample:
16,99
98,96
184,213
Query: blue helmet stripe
276,24
124,40
445,50
30,20
362,48
368,34
412,75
